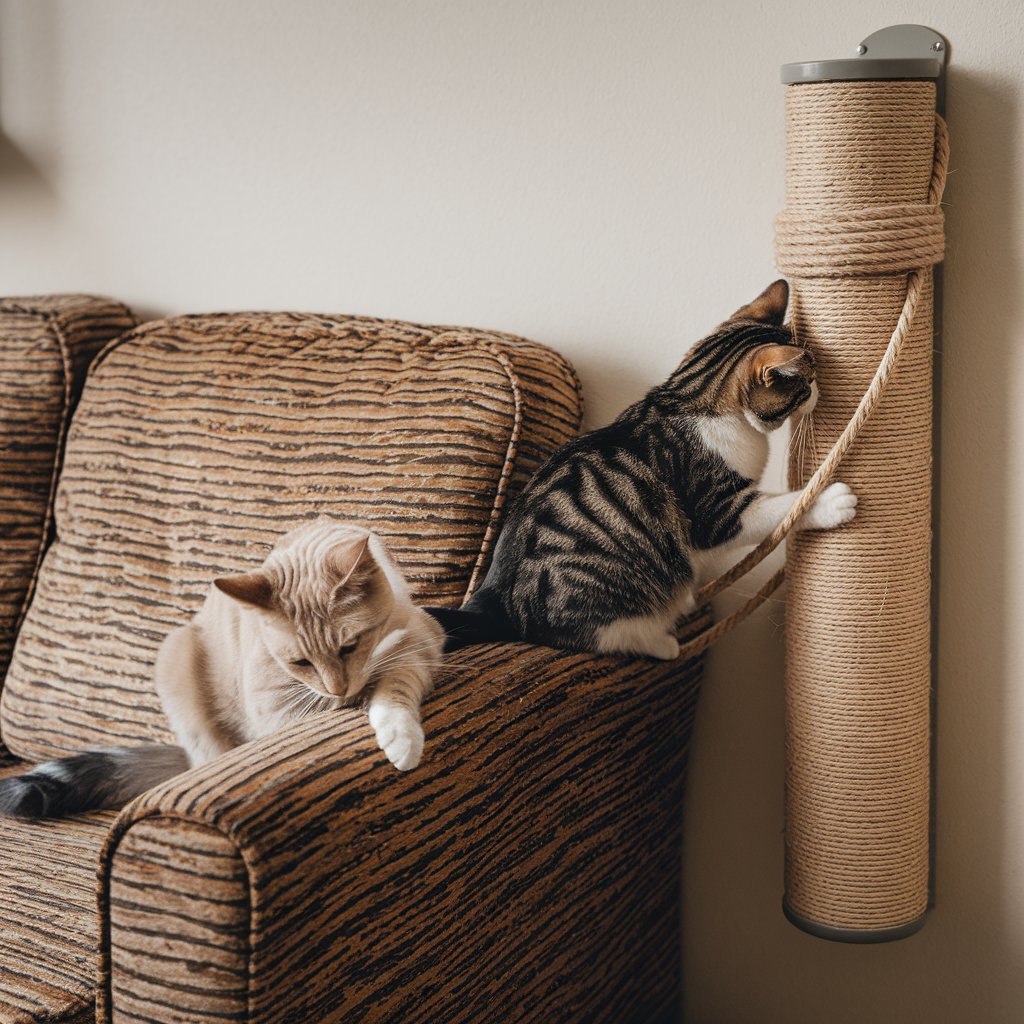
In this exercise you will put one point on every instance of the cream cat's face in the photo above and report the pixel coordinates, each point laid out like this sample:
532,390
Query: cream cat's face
323,605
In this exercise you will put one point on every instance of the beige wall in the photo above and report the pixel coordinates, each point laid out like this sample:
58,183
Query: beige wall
602,177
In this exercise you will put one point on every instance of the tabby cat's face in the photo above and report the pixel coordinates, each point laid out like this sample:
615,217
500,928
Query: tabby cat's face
323,604
751,366
776,382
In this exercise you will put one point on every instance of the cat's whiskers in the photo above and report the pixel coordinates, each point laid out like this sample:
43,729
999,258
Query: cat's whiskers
313,703
798,448
421,646
399,656
295,700
403,656
811,446
408,661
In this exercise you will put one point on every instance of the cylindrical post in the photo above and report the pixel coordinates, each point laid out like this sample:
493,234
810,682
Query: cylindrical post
860,153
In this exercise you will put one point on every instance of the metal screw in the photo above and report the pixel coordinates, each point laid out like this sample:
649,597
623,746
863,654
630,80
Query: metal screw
937,46
861,50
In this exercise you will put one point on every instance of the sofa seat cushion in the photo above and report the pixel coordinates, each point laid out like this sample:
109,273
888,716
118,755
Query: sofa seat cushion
199,439
46,343
48,915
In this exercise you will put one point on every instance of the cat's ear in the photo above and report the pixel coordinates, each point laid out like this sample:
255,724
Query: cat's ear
770,361
253,588
769,307
345,557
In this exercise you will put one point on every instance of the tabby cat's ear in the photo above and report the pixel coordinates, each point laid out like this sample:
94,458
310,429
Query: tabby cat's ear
344,557
769,307
771,360
253,588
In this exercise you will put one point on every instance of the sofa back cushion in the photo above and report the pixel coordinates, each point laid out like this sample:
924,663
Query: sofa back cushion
46,343
200,439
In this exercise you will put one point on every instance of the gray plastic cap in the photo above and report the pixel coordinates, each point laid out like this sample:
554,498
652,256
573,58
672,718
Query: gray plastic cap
899,51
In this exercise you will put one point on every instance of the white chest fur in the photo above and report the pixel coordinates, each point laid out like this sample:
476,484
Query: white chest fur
743,448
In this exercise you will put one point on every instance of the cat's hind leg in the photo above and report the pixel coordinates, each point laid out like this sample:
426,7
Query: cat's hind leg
641,634
181,683
654,634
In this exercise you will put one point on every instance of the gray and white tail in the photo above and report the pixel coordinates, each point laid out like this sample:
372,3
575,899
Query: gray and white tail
98,779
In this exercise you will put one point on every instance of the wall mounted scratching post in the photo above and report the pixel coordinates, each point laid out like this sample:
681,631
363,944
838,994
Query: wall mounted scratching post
861,231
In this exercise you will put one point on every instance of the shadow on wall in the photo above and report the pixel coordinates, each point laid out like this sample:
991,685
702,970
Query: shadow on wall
18,172
628,383
29,35
980,387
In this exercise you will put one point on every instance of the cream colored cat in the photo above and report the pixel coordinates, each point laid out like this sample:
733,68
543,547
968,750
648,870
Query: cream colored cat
325,622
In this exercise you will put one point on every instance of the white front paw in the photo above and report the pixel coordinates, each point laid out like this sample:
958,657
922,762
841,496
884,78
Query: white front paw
836,505
399,735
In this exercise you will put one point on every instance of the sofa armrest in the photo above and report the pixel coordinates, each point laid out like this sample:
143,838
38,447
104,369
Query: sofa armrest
527,869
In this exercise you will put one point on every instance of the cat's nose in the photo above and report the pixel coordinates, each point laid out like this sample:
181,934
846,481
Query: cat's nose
342,684
334,684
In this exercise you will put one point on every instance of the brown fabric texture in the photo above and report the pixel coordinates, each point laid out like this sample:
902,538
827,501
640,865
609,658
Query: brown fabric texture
46,343
48,916
199,439
526,871
184,905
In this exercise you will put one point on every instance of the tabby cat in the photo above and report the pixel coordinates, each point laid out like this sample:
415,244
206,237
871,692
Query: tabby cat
605,548
325,618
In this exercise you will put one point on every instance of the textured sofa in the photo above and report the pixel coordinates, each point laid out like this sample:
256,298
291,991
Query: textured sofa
527,870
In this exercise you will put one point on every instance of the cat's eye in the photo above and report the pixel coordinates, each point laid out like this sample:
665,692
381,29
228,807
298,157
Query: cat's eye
302,663
347,648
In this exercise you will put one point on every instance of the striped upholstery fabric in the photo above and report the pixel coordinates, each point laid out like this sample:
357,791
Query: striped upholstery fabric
46,344
199,439
528,870
202,884
48,916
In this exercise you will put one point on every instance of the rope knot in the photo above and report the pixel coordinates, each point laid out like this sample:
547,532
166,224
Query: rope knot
860,242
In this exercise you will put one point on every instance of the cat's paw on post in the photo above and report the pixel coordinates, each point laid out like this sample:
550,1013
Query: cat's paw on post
836,505
399,735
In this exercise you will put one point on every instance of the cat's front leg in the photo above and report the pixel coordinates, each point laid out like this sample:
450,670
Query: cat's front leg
394,713
836,505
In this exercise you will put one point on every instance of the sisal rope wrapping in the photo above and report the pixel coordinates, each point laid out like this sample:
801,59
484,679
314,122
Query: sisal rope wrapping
859,167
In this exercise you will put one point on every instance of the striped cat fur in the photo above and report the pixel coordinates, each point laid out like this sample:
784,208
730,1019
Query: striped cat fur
607,545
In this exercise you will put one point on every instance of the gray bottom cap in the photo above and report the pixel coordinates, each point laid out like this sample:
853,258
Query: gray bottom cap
853,935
